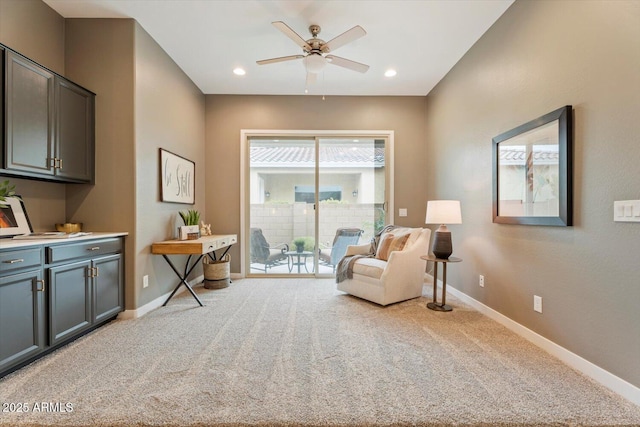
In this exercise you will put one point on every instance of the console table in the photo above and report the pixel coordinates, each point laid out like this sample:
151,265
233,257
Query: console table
206,245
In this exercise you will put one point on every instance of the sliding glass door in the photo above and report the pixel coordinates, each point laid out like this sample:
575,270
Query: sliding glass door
310,196
352,194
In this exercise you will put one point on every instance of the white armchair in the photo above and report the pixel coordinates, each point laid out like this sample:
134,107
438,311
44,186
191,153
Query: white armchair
399,278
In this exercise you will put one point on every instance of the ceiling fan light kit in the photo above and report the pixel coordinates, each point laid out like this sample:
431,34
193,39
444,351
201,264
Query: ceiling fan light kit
315,51
314,63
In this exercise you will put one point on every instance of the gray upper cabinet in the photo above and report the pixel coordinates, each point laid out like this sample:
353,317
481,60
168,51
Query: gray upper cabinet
2,59
29,138
74,131
49,129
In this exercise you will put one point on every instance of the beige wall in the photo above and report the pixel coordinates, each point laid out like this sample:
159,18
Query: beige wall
100,56
226,115
169,114
144,102
35,30
538,57
120,62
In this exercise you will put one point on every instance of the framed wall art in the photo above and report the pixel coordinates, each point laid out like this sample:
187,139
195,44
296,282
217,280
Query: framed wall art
13,218
177,178
532,172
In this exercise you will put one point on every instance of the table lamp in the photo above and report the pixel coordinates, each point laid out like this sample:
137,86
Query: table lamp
443,212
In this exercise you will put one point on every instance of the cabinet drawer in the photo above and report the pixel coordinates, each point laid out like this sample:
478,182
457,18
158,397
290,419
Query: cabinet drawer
18,259
83,250
227,241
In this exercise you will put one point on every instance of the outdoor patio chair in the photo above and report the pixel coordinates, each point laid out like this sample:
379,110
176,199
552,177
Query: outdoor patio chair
343,238
265,255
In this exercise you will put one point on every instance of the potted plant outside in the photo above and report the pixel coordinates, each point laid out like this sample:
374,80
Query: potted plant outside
299,243
304,244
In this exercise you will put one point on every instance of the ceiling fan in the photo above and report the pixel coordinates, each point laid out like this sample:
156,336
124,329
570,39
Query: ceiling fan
316,51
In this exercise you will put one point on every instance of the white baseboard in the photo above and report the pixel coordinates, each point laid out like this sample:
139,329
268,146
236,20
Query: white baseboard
152,305
606,378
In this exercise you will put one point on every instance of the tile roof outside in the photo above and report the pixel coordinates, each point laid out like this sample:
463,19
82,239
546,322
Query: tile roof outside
306,155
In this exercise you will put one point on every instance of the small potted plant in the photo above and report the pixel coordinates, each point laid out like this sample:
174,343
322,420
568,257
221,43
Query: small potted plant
191,228
299,242
6,190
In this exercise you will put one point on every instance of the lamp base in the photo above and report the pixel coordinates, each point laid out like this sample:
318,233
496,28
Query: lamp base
442,247
439,307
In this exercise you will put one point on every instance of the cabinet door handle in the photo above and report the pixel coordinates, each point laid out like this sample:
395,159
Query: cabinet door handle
95,248
53,162
60,166
13,261
95,274
43,285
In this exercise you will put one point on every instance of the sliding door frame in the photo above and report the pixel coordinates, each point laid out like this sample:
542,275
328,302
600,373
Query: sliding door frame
247,134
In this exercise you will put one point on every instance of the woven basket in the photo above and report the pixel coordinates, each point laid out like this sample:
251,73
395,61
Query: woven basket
216,273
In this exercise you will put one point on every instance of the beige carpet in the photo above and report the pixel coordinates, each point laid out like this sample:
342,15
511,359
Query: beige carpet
297,352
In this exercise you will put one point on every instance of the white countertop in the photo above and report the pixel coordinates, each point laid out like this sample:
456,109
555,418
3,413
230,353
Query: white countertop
9,243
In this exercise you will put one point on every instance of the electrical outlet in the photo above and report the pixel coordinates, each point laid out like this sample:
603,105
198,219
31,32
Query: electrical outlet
537,303
145,281
481,281
402,212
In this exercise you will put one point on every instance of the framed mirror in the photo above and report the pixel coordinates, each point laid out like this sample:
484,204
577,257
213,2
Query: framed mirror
532,172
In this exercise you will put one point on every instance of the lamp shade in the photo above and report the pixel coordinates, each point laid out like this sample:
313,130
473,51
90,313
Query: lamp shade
443,212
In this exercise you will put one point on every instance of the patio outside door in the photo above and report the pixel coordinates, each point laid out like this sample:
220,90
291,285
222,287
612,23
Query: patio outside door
308,198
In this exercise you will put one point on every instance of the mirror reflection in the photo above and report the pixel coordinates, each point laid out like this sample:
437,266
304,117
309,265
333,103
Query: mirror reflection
529,173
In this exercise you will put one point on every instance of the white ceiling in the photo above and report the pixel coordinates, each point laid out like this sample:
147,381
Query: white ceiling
421,39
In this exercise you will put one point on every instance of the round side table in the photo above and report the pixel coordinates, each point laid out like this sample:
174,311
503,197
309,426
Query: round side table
302,259
434,305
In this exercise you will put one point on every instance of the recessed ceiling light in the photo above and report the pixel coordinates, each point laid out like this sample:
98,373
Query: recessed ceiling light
390,72
239,71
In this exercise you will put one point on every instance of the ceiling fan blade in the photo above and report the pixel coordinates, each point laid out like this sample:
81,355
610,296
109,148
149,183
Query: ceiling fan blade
287,31
347,63
311,78
280,59
344,38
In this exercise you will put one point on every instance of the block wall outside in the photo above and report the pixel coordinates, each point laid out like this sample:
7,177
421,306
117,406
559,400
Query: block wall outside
282,222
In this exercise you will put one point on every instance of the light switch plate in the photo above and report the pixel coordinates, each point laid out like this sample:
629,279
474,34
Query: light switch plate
537,303
626,211
402,212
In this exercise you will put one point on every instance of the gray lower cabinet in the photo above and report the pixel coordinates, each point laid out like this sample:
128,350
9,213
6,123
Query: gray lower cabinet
22,319
82,294
108,299
69,300
83,287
